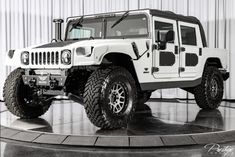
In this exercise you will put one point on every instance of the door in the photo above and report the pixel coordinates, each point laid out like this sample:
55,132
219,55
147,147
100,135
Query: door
165,60
190,43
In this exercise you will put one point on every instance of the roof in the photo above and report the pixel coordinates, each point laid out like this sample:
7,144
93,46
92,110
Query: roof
165,14
178,17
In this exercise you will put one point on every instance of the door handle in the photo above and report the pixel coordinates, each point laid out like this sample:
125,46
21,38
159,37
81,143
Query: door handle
182,49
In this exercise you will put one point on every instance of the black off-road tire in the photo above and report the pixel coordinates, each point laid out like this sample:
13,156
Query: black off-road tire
203,92
14,93
96,97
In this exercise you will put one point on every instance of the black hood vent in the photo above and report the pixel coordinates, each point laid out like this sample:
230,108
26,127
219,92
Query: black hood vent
57,44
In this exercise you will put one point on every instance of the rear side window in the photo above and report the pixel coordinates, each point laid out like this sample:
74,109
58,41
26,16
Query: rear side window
188,35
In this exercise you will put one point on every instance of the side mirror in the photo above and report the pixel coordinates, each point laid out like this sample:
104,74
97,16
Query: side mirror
170,36
58,30
163,37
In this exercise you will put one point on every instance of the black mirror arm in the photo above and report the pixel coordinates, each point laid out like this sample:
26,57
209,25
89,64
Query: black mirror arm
162,45
159,46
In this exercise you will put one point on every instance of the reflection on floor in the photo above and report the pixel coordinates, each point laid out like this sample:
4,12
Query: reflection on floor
158,118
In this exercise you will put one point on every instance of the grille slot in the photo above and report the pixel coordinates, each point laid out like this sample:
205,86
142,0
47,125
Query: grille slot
48,57
36,58
32,58
57,58
40,57
52,58
45,58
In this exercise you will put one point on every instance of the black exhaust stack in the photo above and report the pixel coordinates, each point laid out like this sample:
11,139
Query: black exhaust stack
58,30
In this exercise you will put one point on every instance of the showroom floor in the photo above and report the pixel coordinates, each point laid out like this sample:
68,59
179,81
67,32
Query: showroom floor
181,127
12,149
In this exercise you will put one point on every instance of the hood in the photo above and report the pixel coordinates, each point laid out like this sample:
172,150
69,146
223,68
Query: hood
76,43
57,44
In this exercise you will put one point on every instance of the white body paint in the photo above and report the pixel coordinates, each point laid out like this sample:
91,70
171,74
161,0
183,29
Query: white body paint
148,60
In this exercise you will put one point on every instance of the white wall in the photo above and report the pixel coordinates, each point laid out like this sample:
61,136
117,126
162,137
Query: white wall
28,22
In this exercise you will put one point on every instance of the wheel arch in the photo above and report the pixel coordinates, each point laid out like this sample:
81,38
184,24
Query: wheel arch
214,61
123,60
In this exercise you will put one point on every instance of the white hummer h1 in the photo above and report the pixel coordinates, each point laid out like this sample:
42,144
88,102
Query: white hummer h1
112,63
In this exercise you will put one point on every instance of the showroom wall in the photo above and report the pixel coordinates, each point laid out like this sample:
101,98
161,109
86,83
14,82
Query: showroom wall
28,22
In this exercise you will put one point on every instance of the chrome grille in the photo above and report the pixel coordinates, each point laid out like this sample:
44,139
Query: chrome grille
45,58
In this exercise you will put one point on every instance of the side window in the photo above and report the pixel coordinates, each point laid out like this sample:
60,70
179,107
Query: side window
162,28
188,35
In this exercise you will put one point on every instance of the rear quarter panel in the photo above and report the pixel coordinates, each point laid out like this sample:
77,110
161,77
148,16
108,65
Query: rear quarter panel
221,54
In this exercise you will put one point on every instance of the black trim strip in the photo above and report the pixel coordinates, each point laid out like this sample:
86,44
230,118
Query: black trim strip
57,44
176,49
166,58
174,84
191,59
200,51
135,49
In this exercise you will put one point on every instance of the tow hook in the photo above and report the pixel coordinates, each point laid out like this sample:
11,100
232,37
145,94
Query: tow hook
32,82
53,83
39,93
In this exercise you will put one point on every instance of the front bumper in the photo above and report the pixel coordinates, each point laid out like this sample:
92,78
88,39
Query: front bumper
44,81
225,74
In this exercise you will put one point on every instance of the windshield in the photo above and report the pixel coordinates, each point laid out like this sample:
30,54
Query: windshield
132,26
88,28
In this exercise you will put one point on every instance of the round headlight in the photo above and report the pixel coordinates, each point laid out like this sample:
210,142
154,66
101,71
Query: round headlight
25,57
66,57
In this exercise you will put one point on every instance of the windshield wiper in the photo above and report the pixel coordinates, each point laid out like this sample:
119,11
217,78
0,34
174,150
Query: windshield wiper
75,39
78,23
122,18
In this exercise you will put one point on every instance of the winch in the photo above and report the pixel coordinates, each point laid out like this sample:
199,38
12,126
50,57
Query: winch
50,81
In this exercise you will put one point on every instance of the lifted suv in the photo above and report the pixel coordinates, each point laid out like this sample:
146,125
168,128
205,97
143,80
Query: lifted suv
112,63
